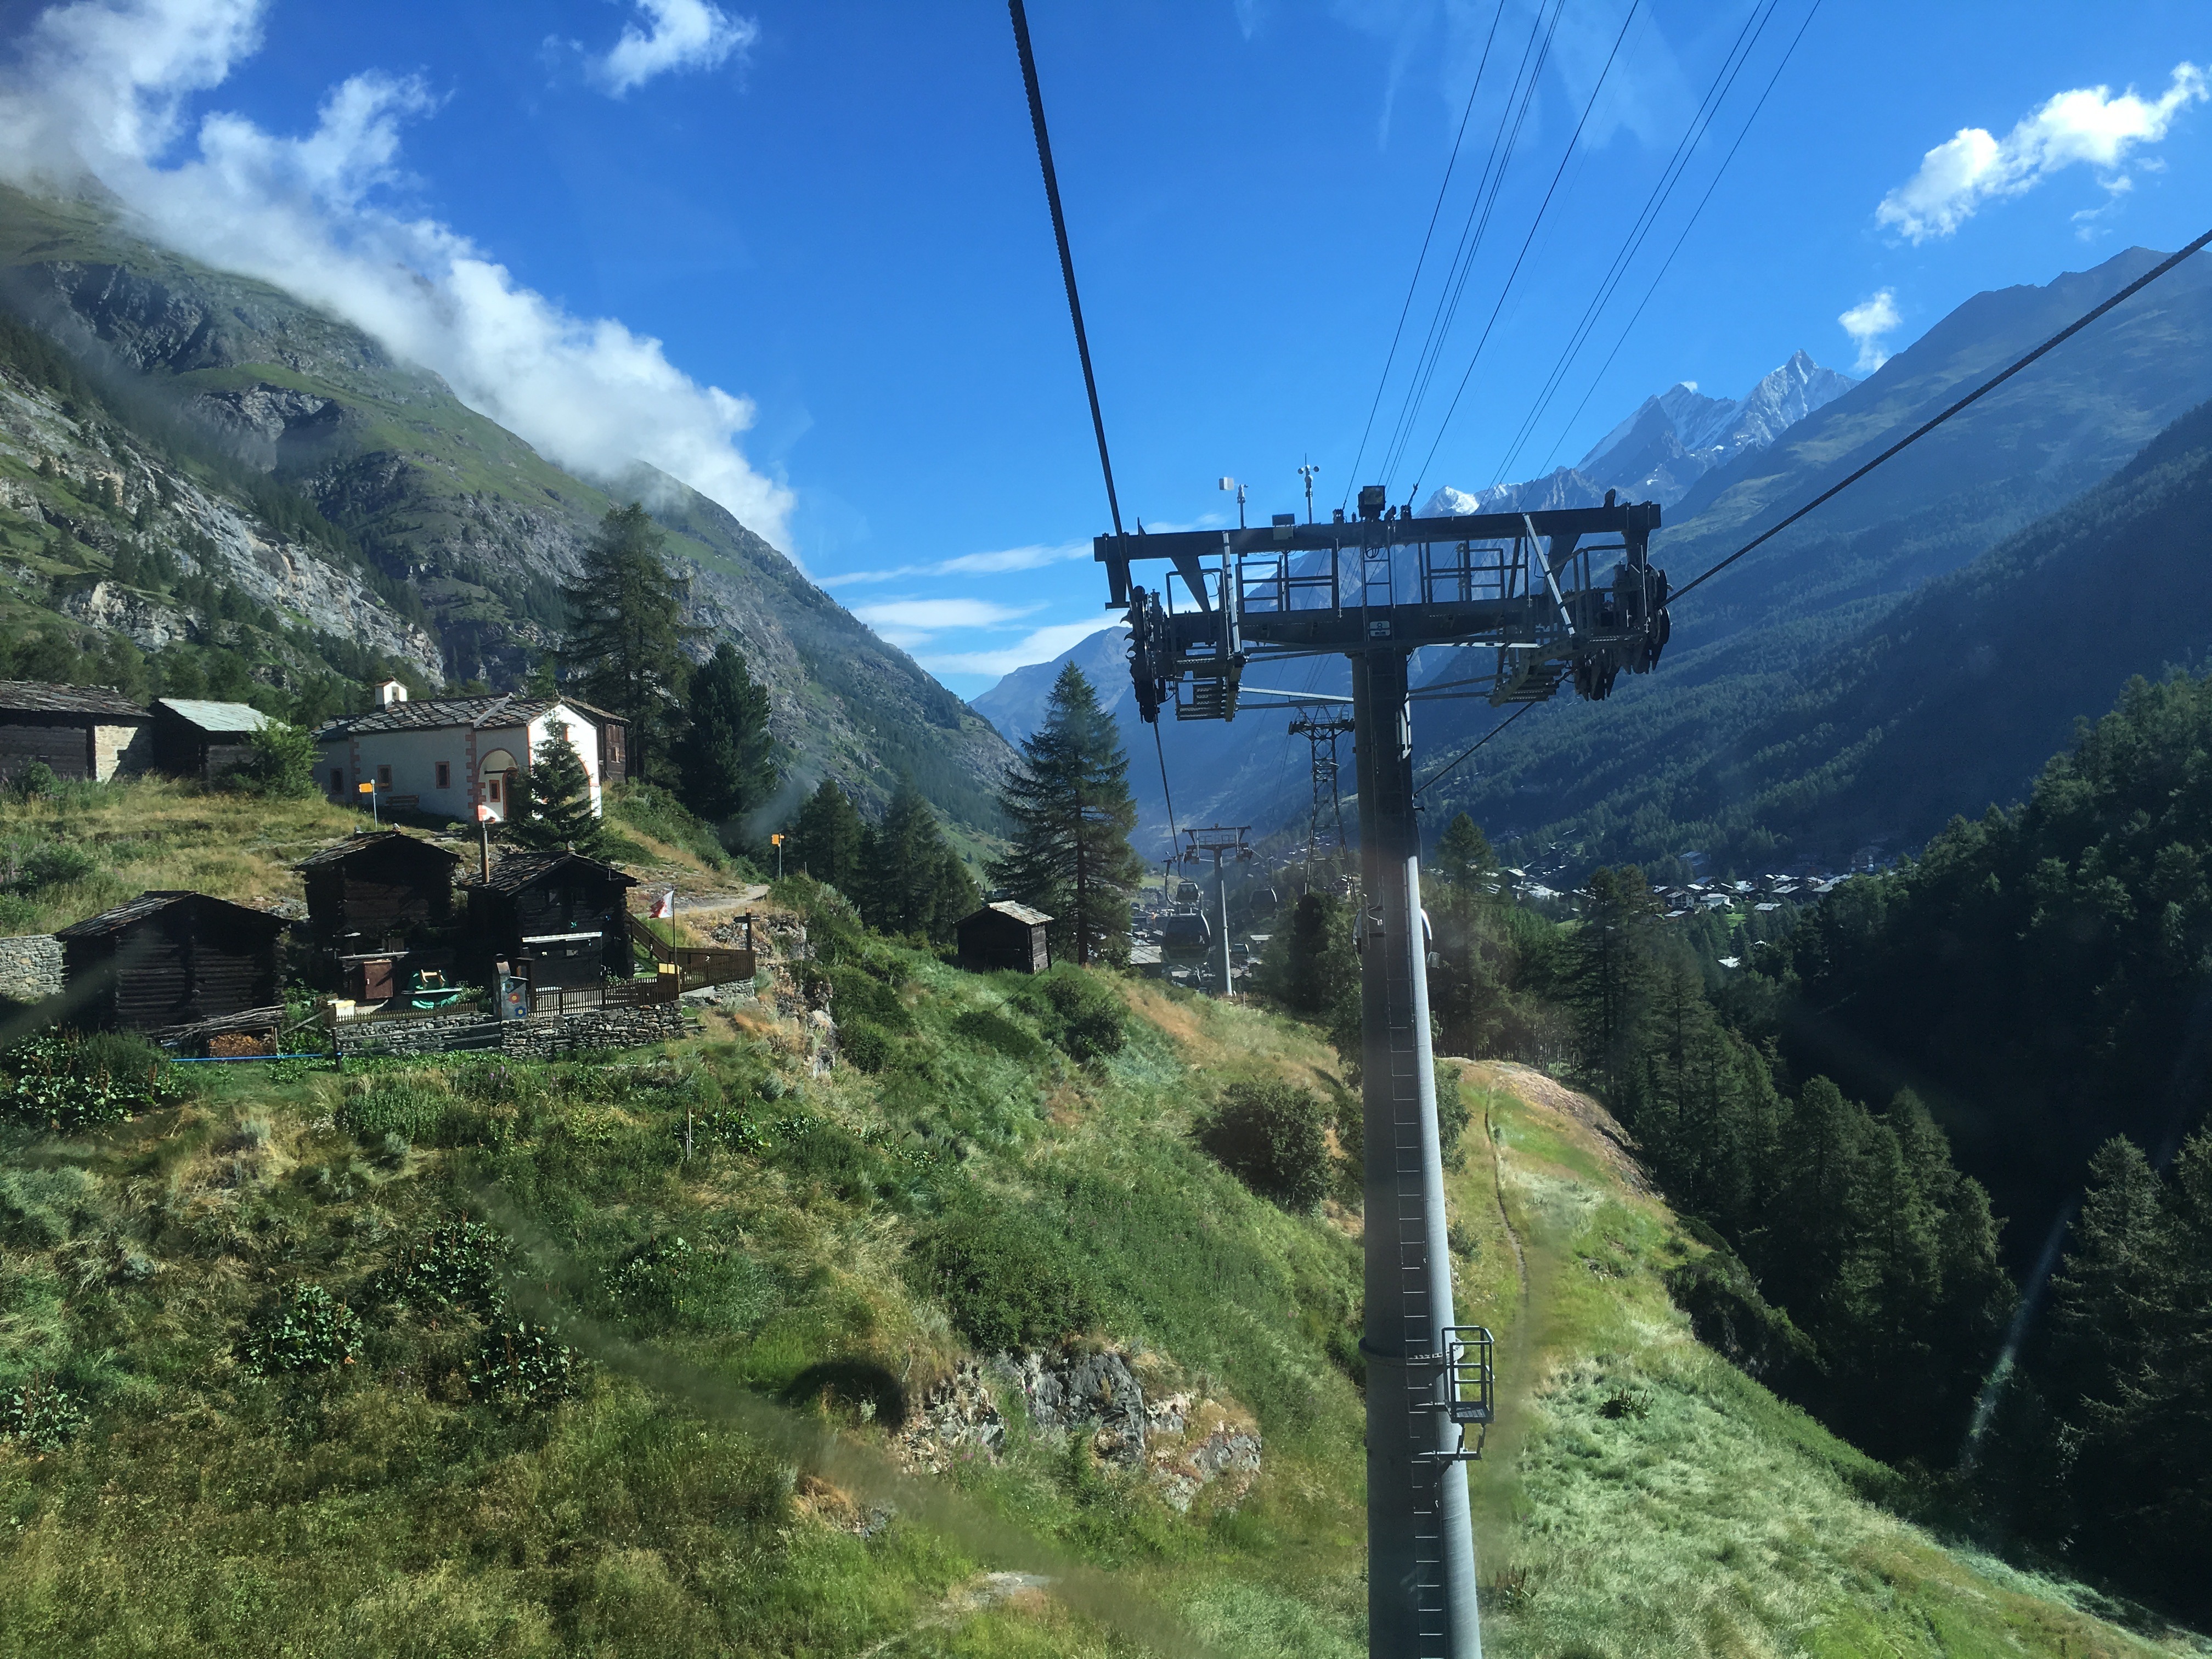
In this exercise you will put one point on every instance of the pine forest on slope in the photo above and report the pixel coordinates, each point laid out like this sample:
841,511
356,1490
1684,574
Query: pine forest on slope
331,483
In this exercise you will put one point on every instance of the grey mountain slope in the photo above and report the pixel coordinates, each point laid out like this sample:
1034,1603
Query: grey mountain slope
467,515
1601,780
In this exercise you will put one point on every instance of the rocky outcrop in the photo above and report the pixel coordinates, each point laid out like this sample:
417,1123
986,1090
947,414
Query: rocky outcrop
145,623
1181,1443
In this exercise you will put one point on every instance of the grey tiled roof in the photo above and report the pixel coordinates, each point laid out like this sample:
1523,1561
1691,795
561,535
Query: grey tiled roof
352,844
517,869
1020,913
435,714
37,696
215,716
149,903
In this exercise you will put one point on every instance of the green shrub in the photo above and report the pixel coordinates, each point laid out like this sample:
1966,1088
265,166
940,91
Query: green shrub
867,1046
41,1416
66,1082
1271,1137
1078,1012
456,1267
652,809
52,864
309,1330
524,1366
33,782
1006,1283
854,992
995,1031
653,1278
280,763
399,1106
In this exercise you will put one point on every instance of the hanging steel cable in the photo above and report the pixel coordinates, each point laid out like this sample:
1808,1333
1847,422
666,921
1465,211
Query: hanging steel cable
1390,357
1060,234
1512,117
1668,264
1528,242
1640,229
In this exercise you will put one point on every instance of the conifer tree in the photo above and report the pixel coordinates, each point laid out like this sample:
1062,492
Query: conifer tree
1610,976
1464,858
1067,800
623,649
910,881
827,837
557,799
724,762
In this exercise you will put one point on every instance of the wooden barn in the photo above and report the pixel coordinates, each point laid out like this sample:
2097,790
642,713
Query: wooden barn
378,904
196,738
177,958
1006,936
80,731
556,919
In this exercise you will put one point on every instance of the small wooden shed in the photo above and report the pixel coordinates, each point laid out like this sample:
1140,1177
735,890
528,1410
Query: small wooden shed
197,739
557,919
384,894
80,731
1006,936
177,958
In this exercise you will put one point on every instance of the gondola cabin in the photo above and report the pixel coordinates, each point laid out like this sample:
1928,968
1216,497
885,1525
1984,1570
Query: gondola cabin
375,902
559,918
1006,936
169,959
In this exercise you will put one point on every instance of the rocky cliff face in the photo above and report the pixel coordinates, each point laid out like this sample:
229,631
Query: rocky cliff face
464,516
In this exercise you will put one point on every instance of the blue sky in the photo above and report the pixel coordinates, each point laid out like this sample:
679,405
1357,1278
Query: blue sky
828,217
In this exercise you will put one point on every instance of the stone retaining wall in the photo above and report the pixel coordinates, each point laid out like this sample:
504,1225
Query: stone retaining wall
30,967
543,1037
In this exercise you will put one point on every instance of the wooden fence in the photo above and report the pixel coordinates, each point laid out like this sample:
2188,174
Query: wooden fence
697,966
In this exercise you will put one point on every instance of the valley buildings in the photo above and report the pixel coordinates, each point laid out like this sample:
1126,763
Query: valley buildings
168,958
82,732
197,739
448,755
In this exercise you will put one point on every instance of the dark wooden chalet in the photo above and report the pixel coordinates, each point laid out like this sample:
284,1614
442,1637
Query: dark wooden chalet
378,905
80,731
557,919
168,959
196,738
1006,936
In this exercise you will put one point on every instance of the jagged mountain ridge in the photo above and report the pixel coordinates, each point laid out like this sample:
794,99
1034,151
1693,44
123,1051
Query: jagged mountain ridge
470,519
1667,444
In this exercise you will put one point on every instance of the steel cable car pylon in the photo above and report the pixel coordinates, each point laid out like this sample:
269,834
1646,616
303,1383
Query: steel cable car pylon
1524,585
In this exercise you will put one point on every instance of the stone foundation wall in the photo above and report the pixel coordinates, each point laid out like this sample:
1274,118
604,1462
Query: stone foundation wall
30,967
545,1037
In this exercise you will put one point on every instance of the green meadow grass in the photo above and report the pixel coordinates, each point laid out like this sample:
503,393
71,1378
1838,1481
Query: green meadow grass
705,1488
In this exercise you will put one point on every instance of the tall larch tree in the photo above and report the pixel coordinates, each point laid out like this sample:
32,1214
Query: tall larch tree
1067,801
623,649
827,837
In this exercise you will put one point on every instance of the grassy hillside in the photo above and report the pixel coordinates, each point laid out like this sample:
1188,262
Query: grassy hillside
645,1404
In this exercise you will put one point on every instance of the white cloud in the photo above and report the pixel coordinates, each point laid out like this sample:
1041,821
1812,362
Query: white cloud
99,92
2087,125
684,34
1042,645
1867,322
968,564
